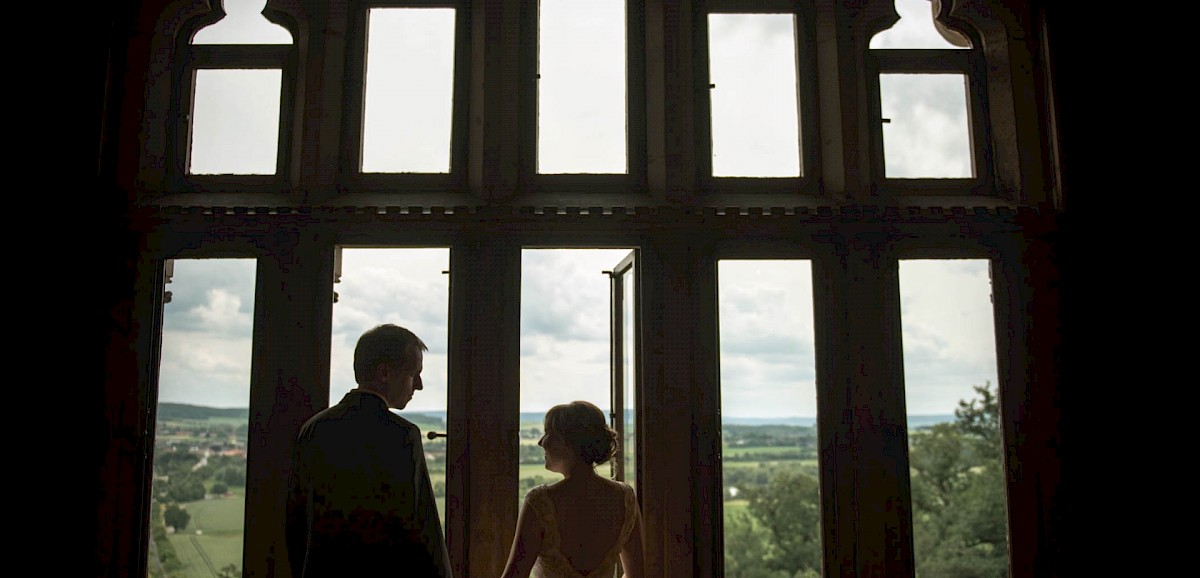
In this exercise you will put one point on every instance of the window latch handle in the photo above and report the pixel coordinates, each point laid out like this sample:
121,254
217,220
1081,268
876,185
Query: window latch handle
435,435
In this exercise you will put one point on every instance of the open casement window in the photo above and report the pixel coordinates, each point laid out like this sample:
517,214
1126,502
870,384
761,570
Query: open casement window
756,115
625,375
583,110
575,345
234,86
926,84
405,96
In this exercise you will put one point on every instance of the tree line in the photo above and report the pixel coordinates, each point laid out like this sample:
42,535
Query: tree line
959,521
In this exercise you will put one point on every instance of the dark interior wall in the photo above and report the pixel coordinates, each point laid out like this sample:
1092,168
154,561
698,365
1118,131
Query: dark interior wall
107,249
1066,52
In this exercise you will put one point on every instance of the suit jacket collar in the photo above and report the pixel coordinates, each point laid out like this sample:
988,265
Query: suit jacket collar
364,397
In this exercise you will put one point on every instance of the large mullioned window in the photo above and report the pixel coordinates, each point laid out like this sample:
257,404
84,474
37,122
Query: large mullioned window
582,119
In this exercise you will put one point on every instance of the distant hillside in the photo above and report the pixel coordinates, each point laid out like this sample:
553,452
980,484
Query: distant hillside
538,417
914,421
427,421
181,411
437,420
176,411
800,421
917,421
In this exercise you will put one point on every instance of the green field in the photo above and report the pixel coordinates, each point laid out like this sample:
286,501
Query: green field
213,538
735,506
536,471
729,465
753,450
219,541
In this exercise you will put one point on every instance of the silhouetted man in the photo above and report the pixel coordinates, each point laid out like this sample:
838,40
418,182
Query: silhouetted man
360,502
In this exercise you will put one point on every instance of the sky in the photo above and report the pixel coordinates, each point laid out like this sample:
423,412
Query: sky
766,330
765,307
581,95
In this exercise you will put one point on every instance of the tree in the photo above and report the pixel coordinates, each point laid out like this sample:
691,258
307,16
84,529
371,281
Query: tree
233,475
220,489
747,544
188,490
979,421
176,517
959,523
789,507
174,463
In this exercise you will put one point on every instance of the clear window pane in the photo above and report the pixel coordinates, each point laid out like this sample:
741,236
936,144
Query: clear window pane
768,419
243,23
955,445
198,493
235,122
916,29
927,133
755,119
581,88
565,343
408,106
406,287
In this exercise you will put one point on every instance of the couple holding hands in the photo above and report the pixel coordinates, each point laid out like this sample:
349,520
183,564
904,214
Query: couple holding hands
360,502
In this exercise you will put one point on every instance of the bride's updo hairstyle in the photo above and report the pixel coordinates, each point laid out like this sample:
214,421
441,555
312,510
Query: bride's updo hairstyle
582,425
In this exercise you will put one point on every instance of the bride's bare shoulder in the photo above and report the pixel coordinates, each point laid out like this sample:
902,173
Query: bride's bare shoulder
615,488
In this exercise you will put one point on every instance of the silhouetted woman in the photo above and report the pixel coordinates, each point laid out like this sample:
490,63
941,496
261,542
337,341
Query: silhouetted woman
580,526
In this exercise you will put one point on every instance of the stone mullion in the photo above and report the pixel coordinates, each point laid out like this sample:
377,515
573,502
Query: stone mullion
499,107
320,118
1025,282
866,522
484,403
289,382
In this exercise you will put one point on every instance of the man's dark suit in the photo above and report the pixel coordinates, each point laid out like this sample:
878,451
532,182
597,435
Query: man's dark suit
360,502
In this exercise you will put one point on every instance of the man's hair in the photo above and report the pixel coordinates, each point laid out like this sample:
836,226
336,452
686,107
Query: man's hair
386,343
582,425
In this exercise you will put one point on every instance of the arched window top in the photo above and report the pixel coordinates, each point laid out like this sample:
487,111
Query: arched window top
918,28
243,23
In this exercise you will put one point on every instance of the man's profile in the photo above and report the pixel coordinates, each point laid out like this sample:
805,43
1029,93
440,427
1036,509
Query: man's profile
360,502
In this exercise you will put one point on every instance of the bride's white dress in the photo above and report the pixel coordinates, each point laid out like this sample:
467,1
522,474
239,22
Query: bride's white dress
550,561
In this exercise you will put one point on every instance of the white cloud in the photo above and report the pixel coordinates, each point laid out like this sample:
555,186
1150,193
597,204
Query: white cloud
757,386
401,286
205,369
221,312
409,90
766,332
915,28
581,87
948,332
564,326
207,330
928,134
243,24
754,115
767,349
561,372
